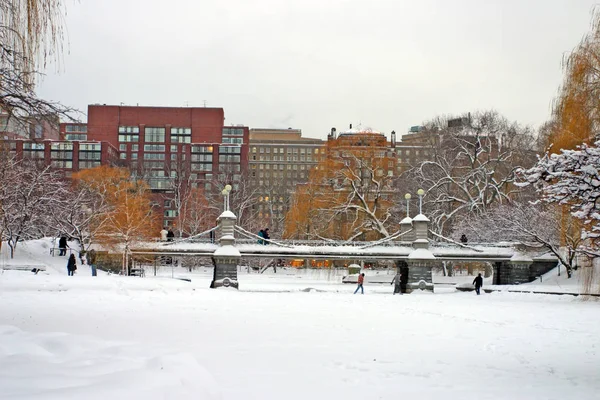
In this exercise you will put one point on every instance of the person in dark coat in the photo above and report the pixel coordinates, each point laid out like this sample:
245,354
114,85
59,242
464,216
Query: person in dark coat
62,245
170,236
71,265
266,236
478,282
463,239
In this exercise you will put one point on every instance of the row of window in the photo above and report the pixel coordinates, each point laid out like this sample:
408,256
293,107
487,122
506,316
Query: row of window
281,167
280,174
301,158
288,150
76,128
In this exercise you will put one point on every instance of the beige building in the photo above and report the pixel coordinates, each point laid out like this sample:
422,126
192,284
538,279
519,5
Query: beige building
279,159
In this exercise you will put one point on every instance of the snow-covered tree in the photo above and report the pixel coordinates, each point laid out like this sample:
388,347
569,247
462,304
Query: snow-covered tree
531,225
572,178
472,167
351,193
29,195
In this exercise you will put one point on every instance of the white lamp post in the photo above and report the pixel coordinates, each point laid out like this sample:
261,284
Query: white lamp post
407,196
420,192
225,192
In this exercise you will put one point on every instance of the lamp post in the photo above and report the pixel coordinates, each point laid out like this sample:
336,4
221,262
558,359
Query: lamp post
225,192
407,196
420,192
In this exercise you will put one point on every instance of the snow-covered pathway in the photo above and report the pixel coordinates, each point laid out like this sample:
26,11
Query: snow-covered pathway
154,339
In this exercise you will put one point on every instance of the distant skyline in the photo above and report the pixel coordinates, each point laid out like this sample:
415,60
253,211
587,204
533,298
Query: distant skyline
314,65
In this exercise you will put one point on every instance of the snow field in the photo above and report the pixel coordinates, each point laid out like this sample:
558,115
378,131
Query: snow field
296,345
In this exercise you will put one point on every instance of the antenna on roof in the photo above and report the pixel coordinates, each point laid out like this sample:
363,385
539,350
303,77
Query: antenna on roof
204,103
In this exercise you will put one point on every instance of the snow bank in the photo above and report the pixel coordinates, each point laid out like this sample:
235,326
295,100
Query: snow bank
64,366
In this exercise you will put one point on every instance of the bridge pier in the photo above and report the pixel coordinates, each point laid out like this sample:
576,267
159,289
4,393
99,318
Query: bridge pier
227,257
421,260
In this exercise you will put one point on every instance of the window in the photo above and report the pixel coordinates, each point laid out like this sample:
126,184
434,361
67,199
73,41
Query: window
202,157
174,148
202,149
128,138
233,140
154,135
76,136
134,156
167,203
123,156
154,147
231,150
76,128
231,131
135,147
129,129
123,147
154,156
173,157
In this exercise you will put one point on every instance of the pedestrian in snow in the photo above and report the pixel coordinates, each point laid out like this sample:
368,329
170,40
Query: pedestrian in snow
163,235
361,280
478,282
261,234
266,236
62,245
71,265
463,239
397,282
170,236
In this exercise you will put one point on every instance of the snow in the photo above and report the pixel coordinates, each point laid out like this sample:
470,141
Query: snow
227,251
406,221
421,254
421,218
286,336
227,214
521,258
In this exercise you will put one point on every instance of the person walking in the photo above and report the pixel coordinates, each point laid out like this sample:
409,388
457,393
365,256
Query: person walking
266,236
463,239
71,265
170,236
361,280
62,245
478,282
397,282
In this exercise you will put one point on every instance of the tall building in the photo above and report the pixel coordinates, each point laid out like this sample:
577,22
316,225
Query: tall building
279,160
172,148
40,127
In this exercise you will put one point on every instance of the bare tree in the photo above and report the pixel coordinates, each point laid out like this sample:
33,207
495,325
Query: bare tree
531,225
31,34
473,167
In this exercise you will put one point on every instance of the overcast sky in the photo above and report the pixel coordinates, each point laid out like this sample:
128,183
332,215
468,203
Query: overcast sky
317,64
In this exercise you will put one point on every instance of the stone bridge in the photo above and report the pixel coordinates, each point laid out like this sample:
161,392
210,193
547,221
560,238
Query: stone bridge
415,250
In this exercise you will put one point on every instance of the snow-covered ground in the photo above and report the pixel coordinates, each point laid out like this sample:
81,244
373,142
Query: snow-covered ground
160,338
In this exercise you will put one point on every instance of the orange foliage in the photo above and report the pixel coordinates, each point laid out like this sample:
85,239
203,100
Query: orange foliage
577,109
348,195
128,215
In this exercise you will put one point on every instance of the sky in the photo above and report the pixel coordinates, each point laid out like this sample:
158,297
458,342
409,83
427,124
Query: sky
318,64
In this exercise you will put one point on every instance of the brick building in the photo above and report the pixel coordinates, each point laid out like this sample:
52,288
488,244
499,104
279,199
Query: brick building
279,160
65,156
169,145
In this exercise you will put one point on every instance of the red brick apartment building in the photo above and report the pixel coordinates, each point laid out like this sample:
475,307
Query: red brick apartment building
164,144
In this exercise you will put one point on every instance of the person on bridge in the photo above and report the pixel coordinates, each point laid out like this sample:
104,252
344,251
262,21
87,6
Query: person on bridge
261,234
463,239
361,280
266,236
163,234
170,236
478,282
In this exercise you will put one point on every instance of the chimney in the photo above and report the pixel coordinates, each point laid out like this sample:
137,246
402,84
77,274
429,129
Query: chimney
333,131
350,126
393,139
